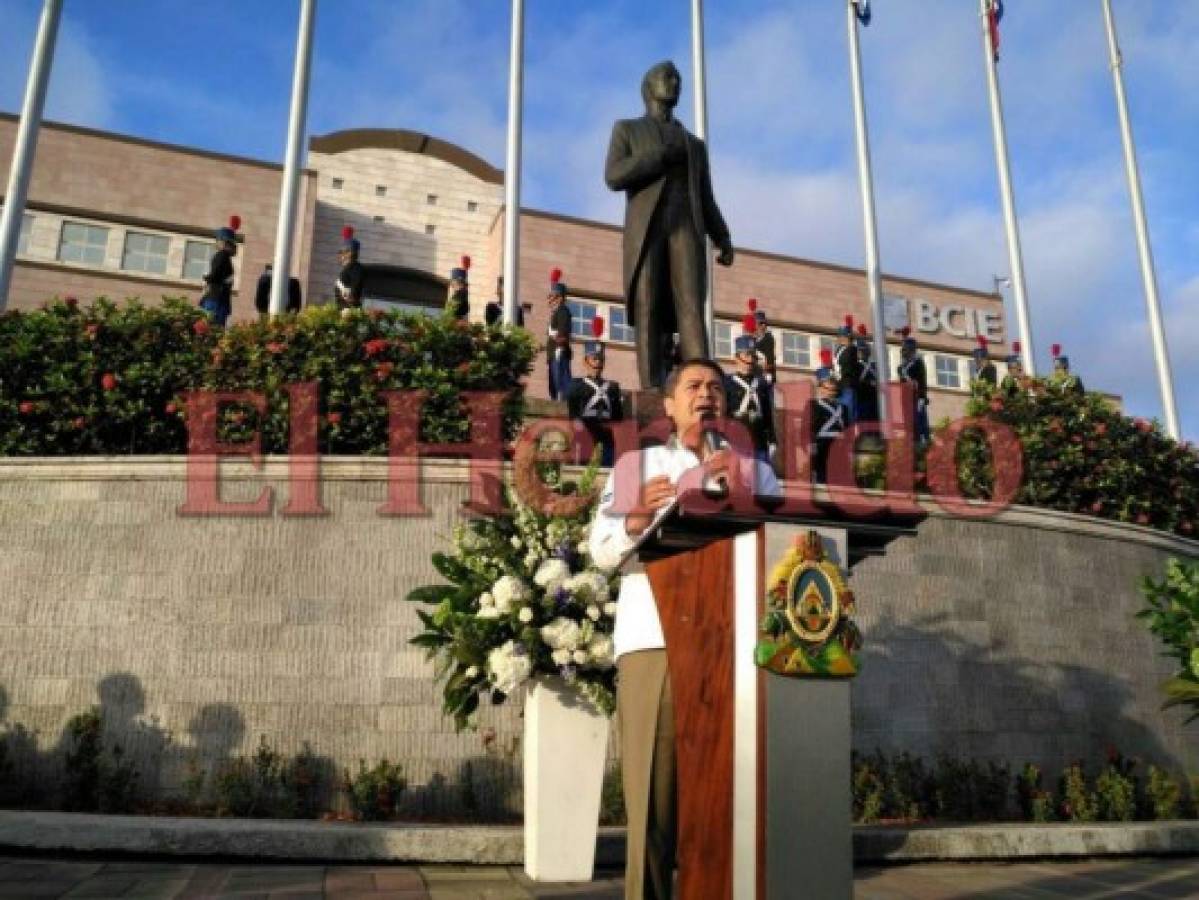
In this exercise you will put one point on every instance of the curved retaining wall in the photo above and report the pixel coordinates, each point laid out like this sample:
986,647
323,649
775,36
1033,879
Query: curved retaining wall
1009,639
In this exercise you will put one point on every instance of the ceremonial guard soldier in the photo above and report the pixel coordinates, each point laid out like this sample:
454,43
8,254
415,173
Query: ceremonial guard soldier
764,350
748,393
218,281
351,280
593,399
493,313
457,300
984,369
1062,378
829,416
911,368
868,382
849,368
1013,381
557,345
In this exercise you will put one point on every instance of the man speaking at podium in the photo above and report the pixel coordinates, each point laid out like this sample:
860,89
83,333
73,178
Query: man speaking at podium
693,393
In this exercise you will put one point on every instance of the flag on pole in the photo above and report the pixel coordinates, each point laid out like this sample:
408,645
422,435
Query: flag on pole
994,16
862,10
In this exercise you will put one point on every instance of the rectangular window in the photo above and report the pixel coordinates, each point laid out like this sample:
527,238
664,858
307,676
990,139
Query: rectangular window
145,253
949,373
724,340
81,243
26,228
379,219
338,183
472,206
581,315
380,190
619,330
431,199
797,349
430,229
196,255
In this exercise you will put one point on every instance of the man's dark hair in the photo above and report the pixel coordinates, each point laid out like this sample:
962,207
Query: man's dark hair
672,380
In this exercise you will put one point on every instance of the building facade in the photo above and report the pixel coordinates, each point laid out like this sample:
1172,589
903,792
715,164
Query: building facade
117,216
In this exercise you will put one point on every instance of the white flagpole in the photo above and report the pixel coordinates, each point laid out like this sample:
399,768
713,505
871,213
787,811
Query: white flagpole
699,75
23,150
285,229
1164,377
516,79
874,276
1015,257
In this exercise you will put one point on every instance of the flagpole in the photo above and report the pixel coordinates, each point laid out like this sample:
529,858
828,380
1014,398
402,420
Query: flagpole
1148,275
874,277
19,175
516,77
699,76
286,226
1015,257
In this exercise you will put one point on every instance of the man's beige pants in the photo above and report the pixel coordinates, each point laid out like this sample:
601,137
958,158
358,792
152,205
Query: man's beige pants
645,714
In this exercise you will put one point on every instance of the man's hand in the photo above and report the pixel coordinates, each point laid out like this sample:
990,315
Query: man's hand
726,255
655,494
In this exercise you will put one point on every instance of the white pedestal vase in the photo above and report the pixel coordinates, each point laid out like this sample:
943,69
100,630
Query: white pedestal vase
565,746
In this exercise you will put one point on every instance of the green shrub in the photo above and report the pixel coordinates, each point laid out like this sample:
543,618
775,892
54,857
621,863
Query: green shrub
612,808
1081,455
1116,793
1172,615
910,790
374,793
1036,803
970,791
868,789
110,379
1163,794
1079,803
266,785
96,778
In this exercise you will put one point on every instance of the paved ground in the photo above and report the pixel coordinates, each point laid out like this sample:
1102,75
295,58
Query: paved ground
43,877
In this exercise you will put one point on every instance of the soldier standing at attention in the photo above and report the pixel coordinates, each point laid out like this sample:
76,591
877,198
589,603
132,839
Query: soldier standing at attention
763,344
1013,381
849,368
911,369
984,370
218,281
557,345
593,399
867,392
457,301
1062,378
352,279
748,394
828,416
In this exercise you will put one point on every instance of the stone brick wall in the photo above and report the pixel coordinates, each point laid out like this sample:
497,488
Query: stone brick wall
1011,639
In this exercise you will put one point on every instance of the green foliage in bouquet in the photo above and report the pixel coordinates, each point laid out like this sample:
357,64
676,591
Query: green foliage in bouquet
521,599
374,792
1172,615
1083,456
111,379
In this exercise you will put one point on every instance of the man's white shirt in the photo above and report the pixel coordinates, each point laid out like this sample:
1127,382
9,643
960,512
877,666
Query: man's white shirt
637,624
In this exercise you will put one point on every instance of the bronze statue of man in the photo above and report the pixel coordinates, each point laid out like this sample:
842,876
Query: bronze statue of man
663,170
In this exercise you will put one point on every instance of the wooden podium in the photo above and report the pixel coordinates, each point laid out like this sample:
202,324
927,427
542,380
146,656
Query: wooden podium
763,761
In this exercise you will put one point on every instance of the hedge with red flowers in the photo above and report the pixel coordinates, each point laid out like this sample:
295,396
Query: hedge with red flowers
111,379
1081,455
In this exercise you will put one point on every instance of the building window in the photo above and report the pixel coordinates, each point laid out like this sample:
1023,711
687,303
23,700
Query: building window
380,190
430,229
196,255
797,349
620,330
581,315
431,199
379,219
81,243
724,339
145,253
472,206
23,238
949,373
338,183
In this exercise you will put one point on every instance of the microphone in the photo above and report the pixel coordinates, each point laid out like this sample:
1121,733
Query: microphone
714,487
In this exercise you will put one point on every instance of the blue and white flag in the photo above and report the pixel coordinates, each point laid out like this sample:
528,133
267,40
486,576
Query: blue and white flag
862,10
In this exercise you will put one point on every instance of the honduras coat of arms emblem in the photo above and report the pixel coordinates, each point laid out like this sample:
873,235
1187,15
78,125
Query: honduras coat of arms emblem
807,630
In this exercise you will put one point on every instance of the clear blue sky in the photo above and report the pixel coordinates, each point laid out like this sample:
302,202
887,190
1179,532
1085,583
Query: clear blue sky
217,75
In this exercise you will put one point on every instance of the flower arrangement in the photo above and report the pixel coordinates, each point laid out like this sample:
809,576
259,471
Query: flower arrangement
523,600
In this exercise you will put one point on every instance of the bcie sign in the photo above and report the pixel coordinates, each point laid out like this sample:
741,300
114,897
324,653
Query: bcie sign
953,319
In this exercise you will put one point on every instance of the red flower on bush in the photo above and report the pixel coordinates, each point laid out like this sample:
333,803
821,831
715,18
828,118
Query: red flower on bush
333,417
79,422
201,327
1055,425
1097,506
275,347
463,367
383,371
375,347
1101,428
26,407
92,330
1142,518
108,381
997,405
171,409
71,302
1143,425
